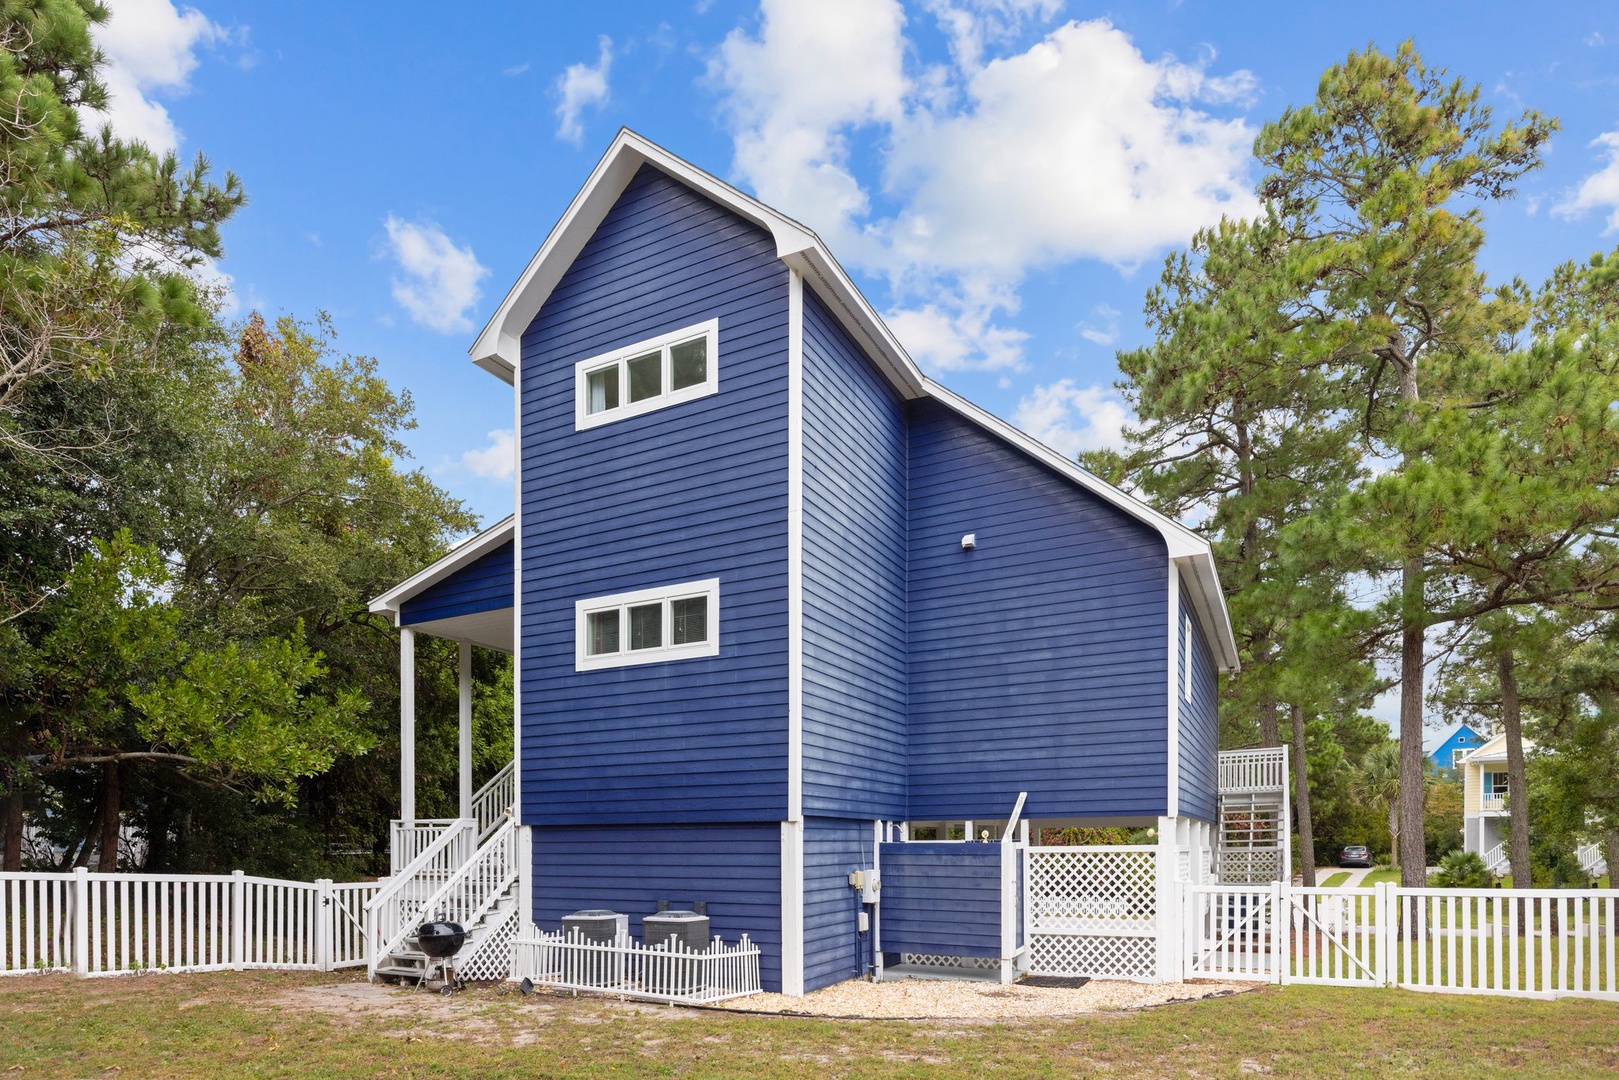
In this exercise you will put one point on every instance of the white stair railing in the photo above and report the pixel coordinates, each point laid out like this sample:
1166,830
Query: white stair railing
396,908
1496,859
1592,861
467,893
490,802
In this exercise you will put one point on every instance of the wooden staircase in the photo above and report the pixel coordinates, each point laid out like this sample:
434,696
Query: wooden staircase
461,870
1253,842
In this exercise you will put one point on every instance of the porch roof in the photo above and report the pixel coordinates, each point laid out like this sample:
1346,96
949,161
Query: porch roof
464,596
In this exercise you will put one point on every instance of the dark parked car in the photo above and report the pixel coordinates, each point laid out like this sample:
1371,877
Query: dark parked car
1355,855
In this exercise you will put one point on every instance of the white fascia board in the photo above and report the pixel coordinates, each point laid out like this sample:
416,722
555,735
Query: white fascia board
499,345
467,552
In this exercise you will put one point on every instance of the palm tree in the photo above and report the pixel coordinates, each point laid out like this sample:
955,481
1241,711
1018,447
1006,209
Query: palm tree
1378,781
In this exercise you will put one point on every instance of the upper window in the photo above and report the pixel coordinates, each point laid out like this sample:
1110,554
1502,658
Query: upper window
672,623
648,375
1495,785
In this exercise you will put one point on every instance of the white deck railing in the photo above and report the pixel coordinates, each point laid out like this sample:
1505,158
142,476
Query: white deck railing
116,924
408,839
1493,803
1264,769
628,968
490,802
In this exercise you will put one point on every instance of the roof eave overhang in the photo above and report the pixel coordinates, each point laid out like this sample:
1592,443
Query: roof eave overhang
462,555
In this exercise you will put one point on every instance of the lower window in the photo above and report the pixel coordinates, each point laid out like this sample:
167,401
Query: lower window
650,626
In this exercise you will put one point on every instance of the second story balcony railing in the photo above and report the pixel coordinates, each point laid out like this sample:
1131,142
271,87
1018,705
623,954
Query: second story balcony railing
1264,769
1496,803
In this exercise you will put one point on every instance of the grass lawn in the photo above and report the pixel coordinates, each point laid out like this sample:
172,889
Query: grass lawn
279,1024
1332,881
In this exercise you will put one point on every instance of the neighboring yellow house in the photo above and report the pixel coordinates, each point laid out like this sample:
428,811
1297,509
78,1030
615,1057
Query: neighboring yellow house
1484,801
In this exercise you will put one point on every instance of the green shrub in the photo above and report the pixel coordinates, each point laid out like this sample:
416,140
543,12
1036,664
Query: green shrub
1462,870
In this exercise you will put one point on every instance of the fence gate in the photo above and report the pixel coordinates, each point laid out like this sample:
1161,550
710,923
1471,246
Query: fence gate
1231,932
1093,911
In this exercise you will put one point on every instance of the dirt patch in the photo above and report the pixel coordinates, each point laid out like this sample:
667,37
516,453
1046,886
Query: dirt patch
965,1000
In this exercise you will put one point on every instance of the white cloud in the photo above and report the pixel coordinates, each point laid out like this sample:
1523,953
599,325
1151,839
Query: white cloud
151,47
1075,147
440,282
1600,190
497,461
1070,418
814,71
1105,334
580,86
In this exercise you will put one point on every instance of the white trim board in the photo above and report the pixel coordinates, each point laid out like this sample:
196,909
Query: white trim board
498,346
795,546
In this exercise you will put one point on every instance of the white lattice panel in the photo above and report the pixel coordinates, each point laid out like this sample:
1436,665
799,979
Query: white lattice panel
939,961
1249,867
1107,889
492,959
1101,957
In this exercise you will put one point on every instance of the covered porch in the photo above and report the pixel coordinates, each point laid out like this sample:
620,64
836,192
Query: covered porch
465,597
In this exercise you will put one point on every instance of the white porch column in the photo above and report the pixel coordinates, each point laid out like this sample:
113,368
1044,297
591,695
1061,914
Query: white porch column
407,724
1169,901
466,729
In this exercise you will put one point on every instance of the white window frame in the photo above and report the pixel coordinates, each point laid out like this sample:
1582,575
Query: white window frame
583,419
622,602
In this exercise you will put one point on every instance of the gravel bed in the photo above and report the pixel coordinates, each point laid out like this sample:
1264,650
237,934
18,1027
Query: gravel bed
959,999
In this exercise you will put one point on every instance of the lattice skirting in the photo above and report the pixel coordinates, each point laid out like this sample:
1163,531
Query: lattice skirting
936,960
1109,957
492,957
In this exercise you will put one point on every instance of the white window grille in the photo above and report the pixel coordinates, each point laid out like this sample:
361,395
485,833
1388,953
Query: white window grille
651,374
674,622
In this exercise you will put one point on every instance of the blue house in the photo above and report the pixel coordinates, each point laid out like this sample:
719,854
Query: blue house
1458,744
775,596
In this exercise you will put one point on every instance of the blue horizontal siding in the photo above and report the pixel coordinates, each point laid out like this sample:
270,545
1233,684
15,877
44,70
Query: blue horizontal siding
832,848
485,584
1037,661
692,491
941,898
854,578
1199,721
736,869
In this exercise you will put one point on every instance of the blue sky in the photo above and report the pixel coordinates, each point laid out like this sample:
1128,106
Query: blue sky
1003,177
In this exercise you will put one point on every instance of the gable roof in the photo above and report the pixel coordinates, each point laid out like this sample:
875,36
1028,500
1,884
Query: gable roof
462,555
498,346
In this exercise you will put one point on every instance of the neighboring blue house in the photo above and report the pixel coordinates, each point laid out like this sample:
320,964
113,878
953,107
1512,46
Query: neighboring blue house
1457,745
777,591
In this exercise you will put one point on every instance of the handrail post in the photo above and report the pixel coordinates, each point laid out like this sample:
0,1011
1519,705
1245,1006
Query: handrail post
81,921
238,919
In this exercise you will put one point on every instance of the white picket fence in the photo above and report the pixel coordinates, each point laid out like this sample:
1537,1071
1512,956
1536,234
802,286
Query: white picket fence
118,924
1512,942
631,969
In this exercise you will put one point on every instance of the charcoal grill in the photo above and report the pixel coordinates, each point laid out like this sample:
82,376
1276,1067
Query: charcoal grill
439,942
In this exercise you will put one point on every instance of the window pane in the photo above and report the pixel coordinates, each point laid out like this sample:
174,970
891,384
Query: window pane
646,376
690,619
601,390
688,364
602,629
646,626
